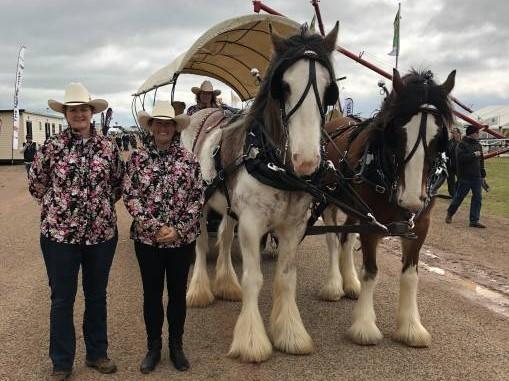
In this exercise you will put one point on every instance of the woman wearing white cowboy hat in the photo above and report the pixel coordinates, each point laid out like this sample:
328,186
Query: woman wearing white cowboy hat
163,192
77,176
205,97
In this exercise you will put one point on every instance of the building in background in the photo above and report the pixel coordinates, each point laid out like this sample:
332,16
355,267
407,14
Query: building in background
39,125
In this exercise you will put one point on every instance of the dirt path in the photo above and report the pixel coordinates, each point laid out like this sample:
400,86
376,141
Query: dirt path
470,342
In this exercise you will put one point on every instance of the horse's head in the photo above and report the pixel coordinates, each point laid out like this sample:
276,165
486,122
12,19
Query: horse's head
297,88
417,115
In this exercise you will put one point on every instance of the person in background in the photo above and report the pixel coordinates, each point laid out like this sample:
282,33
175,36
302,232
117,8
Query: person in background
179,107
205,97
29,149
125,141
451,160
77,176
471,176
163,192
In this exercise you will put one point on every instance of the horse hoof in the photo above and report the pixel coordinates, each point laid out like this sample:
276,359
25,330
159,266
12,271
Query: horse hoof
365,333
352,294
294,343
413,335
203,298
254,350
231,291
331,293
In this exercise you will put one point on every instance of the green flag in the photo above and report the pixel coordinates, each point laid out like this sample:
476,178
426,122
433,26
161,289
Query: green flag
395,39
312,26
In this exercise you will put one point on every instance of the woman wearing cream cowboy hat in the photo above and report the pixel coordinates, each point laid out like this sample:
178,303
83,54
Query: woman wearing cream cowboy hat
205,97
163,192
76,177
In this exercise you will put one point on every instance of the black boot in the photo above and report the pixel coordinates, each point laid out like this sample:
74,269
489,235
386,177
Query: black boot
177,356
152,357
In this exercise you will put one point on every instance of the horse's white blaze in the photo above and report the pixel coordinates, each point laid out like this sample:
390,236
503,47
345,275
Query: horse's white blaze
411,195
409,328
364,330
332,290
304,124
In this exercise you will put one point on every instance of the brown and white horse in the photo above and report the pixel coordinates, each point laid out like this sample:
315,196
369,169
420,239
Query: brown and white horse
405,138
298,83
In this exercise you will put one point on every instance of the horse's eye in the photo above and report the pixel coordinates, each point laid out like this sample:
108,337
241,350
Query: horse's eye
285,88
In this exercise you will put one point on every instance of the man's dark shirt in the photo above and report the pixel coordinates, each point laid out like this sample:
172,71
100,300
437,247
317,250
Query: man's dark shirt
468,165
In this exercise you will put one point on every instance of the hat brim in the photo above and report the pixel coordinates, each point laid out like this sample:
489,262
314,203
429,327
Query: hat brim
98,105
197,90
182,121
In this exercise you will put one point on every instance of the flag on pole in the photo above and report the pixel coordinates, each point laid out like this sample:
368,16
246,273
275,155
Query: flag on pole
395,38
312,27
17,89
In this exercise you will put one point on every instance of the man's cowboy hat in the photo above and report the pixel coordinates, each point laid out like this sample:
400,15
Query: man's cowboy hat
206,86
163,110
76,94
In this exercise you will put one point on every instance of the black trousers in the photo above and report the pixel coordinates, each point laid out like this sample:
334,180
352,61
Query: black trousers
63,262
155,263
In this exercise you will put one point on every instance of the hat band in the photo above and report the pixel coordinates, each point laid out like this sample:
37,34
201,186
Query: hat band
162,116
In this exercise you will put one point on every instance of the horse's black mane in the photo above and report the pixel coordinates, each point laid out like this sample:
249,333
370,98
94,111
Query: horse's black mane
419,89
265,108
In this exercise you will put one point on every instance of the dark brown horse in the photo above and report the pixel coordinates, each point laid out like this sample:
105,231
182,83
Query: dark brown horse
389,159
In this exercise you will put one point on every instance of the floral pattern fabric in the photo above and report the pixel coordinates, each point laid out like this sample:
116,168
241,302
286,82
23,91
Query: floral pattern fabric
77,183
163,188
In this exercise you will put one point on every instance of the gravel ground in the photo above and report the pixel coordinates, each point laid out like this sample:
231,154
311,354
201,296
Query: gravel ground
470,342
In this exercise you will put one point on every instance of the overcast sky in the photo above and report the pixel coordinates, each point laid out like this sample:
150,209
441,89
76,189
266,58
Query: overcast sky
113,46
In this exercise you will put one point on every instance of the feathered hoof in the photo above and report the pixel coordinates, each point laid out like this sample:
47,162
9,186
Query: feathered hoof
413,334
331,292
227,288
250,347
365,333
295,341
199,296
352,289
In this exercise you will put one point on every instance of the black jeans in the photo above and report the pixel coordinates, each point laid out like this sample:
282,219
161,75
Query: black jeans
154,264
463,186
63,263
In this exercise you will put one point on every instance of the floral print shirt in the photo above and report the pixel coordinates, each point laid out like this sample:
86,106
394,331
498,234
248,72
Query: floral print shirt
77,183
163,188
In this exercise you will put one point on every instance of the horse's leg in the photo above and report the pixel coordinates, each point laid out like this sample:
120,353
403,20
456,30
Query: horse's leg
250,342
226,285
332,290
364,330
409,329
286,328
199,293
351,284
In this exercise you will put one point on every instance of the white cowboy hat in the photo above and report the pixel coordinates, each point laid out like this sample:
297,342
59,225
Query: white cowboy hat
76,94
163,110
205,86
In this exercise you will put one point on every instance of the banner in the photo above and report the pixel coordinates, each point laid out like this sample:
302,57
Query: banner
17,90
395,38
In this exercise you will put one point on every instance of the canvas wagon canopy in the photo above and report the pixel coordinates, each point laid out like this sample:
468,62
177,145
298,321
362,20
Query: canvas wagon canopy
227,52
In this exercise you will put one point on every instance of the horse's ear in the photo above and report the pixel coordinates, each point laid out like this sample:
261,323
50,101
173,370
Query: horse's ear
330,39
277,42
397,83
448,85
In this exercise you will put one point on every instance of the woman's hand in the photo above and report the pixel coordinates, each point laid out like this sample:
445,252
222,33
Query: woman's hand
166,234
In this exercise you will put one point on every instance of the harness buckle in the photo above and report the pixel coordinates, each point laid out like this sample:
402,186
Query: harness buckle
275,168
216,150
411,222
379,189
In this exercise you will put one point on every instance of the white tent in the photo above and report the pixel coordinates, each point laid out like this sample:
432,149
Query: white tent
227,52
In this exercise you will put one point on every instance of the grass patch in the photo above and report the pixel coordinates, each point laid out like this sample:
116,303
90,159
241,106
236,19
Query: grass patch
496,202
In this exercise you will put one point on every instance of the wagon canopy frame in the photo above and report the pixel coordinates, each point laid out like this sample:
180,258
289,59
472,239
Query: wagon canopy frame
227,52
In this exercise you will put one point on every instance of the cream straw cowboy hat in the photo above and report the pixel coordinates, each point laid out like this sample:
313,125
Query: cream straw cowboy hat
76,94
163,110
206,86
